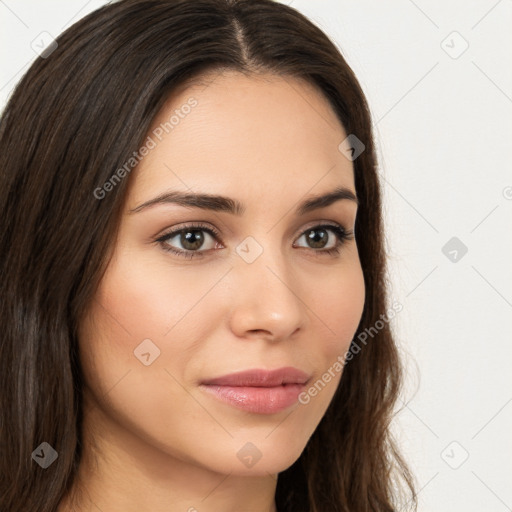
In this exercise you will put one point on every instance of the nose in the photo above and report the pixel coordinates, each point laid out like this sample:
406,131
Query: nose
267,298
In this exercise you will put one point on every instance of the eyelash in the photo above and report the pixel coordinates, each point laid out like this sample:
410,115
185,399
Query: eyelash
341,233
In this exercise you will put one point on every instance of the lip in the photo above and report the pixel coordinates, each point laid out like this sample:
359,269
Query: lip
259,391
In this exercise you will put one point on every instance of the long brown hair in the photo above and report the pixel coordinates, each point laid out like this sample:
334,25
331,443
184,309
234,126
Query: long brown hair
75,117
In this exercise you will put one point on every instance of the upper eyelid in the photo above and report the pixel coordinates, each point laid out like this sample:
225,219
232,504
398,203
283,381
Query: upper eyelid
192,226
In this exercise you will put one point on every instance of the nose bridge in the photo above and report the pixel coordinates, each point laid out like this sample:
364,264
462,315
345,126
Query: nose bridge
266,294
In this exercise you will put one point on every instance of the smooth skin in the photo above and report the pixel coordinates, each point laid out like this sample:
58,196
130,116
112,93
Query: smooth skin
154,440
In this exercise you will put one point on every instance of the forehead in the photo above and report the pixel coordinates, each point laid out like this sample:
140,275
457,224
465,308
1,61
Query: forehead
260,135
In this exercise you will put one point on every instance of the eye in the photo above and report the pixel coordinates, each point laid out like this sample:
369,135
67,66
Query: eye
318,238
191,239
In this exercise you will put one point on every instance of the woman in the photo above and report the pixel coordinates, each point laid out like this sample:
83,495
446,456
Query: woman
192,248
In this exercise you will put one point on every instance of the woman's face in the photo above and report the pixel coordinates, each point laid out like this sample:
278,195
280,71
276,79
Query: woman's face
249,289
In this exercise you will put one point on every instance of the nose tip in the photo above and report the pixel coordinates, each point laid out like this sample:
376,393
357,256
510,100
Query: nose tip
266,304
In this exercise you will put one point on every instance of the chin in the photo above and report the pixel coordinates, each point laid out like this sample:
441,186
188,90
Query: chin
255,458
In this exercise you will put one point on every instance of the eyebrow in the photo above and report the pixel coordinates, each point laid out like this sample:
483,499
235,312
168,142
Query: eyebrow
226,204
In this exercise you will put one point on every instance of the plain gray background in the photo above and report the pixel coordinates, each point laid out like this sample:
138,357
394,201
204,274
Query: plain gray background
439,83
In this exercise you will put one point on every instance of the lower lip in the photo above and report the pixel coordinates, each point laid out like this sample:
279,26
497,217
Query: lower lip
257,399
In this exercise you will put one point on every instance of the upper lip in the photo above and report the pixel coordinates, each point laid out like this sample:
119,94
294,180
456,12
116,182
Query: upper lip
261,378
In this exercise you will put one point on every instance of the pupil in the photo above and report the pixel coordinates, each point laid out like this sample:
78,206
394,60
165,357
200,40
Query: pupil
317,240
194,238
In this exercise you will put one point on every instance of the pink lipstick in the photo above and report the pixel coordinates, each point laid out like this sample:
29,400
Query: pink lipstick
259,391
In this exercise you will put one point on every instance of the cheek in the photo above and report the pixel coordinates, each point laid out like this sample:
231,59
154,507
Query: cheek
135,303
143,298
146,307
339,305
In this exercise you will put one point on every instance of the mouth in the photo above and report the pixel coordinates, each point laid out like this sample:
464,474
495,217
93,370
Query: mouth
259,391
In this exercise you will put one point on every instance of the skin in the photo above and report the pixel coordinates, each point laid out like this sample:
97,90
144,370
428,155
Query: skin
153,440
